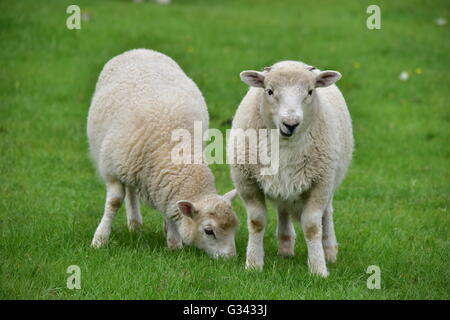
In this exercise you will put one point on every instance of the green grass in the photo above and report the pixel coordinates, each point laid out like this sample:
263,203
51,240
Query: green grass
391,211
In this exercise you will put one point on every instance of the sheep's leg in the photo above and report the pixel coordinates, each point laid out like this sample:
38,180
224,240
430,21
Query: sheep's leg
254,202
172,234
115,194
256,221
285,233
312,229
311,222
329,238
134,217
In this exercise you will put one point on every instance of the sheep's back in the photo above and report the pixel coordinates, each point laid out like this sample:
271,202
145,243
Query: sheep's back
141,97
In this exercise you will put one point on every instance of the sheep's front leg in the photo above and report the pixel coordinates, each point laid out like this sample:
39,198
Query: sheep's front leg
285,233
311,222
172,234
115,193
134,217
254,202
256,222
329,237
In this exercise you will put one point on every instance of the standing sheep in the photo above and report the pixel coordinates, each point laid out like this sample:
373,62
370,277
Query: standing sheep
140,98
315,150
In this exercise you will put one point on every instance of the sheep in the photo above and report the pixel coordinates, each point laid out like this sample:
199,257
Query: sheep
309,115
142,96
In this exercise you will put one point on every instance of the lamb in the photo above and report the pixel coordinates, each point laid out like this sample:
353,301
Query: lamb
311,119
142,96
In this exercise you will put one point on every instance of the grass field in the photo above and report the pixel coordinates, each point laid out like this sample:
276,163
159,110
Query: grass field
391,211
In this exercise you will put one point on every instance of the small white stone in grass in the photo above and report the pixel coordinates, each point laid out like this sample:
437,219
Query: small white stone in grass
441,21
404,76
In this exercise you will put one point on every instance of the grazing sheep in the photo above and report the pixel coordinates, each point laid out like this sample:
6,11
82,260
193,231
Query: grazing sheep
315,149
140,98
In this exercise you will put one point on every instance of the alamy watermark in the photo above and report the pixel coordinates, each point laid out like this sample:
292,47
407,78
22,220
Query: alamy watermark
374,280
74,280
248,146
374,20
74,19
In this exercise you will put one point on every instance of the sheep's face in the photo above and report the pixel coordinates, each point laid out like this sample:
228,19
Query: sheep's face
211,224
289,93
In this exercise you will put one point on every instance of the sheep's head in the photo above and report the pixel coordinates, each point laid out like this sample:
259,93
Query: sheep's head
289,93
210,224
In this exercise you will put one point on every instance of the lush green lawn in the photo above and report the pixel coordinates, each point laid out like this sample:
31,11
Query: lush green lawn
391,211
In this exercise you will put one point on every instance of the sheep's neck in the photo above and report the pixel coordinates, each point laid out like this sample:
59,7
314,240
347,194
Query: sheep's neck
197,182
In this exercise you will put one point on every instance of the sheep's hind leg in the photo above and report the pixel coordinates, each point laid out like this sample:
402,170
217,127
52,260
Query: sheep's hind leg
285,233
115,194
329,237
172,235
134,217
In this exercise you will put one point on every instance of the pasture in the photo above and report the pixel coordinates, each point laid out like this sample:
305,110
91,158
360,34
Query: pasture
391,211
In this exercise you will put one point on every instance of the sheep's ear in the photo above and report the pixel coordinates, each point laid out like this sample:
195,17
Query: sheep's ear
186,208
253,78
230,195
327,78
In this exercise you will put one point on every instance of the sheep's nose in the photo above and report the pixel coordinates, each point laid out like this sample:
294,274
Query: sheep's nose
230,255
291,127
231,252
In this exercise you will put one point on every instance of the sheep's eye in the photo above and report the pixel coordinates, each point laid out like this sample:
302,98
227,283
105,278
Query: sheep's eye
310,92
269,92
210,232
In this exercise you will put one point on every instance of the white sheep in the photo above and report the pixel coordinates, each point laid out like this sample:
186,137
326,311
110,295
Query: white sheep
142,96
315,150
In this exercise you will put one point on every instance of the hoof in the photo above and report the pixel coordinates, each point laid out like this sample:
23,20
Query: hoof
330,254
134,225
286,246
285,252
322,273
99,241
251,266
320,270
